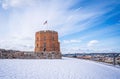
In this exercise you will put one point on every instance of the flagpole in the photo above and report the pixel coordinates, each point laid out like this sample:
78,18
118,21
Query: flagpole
45,25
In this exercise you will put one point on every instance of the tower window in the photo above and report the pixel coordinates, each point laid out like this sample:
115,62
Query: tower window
53,47
44,45
44,38
37,45
52,38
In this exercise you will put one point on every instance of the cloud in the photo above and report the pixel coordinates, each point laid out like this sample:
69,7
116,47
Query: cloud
92,43
71,41
6,4
24,17
17,44
33,18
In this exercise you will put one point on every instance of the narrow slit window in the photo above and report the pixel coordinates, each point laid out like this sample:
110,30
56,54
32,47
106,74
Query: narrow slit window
37,45
44,45
44,38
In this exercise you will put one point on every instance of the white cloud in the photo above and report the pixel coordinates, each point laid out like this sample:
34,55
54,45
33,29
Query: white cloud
6,4
25,17
92,43
17,44
71,41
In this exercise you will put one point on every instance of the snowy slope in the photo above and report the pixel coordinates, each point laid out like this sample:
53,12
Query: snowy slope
66,68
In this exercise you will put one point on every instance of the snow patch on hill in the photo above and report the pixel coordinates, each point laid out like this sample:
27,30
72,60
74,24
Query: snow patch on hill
66,68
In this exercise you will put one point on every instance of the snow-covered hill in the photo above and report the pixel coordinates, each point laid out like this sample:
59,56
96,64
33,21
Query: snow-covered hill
66,68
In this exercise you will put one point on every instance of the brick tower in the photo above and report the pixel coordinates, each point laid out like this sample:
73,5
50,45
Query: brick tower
46,42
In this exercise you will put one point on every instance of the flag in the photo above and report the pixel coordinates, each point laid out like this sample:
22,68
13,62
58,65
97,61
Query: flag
45,22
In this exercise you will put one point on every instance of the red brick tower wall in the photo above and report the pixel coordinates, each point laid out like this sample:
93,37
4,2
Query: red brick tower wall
47,41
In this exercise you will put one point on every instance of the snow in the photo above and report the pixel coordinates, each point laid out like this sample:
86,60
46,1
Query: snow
66,68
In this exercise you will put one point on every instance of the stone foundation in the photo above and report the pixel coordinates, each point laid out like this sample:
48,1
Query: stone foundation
12,54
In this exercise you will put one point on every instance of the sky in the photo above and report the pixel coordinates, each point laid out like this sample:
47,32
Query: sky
84,26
